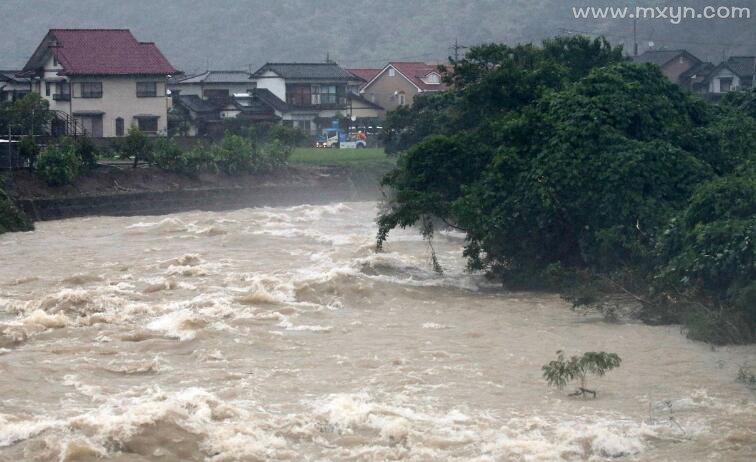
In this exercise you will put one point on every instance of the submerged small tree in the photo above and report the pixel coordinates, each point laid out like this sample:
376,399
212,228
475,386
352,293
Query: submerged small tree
559,372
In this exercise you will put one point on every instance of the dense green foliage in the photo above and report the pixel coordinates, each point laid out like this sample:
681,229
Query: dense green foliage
566,157
12,219
232,155
264,132
28,149
559,372
137,146
87,151
58,165
29,115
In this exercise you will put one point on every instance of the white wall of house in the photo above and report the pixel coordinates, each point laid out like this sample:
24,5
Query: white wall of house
229,113
119,100
50,76
715,83
271,81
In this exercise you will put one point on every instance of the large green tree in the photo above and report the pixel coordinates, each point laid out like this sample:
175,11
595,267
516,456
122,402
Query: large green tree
567,156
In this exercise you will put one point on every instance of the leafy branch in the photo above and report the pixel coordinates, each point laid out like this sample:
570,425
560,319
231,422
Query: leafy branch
562,371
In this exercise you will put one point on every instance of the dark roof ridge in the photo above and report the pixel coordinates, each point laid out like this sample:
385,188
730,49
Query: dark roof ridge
104,29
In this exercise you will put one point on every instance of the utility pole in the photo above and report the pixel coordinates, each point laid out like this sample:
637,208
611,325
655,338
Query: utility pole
456,47
10,158
635,37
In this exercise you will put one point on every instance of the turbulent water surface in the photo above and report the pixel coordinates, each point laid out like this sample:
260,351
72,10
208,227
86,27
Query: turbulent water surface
277,333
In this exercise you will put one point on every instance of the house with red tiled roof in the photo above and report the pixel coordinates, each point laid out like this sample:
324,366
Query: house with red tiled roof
364,75
101,80
398,83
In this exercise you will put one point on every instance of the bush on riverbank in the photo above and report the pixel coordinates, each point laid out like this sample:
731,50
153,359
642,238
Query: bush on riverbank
61,164
11,218
567,166
233,155
58,165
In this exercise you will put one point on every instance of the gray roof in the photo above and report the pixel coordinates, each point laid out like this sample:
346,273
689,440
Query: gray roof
358,97
10,76
308,71
742,66
701,69
197,104
218,77
267,97
660,57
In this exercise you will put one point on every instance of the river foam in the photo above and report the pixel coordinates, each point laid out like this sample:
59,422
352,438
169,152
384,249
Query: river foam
278,333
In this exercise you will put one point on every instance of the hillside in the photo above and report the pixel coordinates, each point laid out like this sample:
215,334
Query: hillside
197,34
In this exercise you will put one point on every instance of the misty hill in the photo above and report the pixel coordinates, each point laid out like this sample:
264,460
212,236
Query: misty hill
196,34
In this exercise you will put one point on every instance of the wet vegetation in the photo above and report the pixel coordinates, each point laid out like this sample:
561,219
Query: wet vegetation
12,219
569,168
561,371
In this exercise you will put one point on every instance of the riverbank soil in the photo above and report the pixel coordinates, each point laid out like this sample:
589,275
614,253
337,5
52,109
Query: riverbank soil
109,180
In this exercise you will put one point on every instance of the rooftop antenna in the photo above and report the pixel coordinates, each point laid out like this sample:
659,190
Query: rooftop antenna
328,57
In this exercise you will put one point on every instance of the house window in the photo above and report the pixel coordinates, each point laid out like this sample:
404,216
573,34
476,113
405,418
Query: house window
323,94
725,85
47,88
401,98
146,89
91,89
148,124
392,72
62,92
298,95
119,126
90,125
432,79
302,124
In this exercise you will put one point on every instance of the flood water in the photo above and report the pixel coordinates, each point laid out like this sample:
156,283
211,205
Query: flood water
278,334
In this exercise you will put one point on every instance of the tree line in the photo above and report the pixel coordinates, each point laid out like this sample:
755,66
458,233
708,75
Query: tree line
570,168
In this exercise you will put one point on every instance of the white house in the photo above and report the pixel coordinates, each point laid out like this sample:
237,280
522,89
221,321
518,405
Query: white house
103,79
737,73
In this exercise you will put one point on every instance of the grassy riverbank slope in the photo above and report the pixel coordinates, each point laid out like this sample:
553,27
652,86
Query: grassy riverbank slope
353,158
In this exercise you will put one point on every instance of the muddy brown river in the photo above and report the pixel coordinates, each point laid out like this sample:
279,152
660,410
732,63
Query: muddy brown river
278,334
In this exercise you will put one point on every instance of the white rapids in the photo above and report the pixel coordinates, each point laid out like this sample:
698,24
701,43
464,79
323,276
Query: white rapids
278,334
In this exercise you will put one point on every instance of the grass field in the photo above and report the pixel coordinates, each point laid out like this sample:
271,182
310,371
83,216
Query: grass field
341,157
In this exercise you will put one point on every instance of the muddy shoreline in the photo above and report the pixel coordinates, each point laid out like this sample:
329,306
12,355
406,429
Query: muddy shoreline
117,191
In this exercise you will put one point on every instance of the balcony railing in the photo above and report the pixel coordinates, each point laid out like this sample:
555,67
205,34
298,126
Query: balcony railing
62,97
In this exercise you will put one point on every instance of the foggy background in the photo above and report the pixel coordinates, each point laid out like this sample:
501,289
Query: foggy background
240,34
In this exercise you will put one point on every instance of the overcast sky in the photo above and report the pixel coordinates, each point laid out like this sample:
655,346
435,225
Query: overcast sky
240,34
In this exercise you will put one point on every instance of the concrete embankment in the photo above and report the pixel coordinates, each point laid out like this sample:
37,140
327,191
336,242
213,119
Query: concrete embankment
313,187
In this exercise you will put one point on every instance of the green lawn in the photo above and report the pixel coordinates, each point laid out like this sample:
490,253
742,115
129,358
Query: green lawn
340,157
